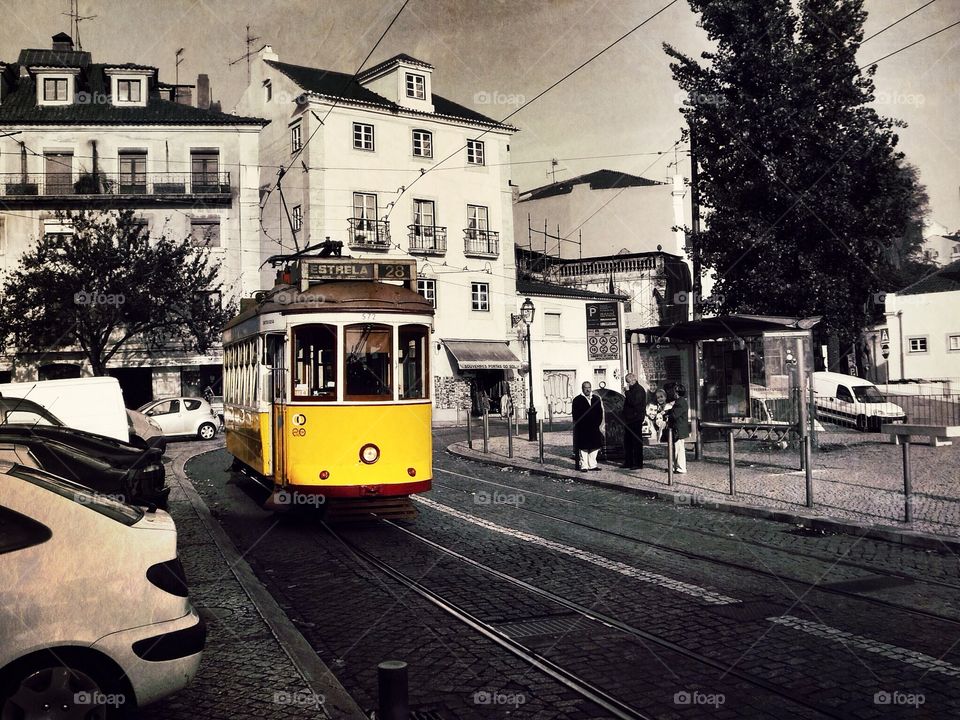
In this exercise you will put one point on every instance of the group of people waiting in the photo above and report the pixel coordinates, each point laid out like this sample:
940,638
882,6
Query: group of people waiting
663,417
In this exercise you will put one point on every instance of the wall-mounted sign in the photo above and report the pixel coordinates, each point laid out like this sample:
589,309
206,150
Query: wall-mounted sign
603,331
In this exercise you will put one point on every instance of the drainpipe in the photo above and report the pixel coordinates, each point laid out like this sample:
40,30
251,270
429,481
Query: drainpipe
23,163
96,170
900,321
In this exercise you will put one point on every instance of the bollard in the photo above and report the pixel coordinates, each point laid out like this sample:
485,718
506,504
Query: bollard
392,687
509,437
733,468
486,431
669,455
469,429
540,422
807,469
907,482
550,416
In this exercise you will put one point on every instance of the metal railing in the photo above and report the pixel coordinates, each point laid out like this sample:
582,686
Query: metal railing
481,242
427,239
369,234
56,184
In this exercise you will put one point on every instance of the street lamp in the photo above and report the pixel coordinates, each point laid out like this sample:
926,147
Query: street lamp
527,312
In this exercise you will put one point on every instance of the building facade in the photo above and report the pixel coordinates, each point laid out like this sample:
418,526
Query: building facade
79,135
388,168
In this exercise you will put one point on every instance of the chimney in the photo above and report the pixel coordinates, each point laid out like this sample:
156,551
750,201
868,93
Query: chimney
203,91
62,41
267,53
183,94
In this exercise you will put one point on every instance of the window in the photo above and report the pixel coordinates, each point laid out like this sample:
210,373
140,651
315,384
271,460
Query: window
55,89
475,152
423,143
414,380
166,407
423,217
480,296
315,363
133,171
267,91
362,136
365,210
844,394
296,140
128,91
953,341
551,324
416,86
918,344
297,218
476,220
599,376
58,178
240,372
205,232
205,170
369,361
428,288
191,404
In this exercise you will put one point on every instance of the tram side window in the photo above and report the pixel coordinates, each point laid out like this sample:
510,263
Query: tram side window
414,362
369,362
315,362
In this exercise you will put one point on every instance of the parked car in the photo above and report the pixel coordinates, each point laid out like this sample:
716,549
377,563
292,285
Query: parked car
145,432
109,466
183,417
97,619
851,400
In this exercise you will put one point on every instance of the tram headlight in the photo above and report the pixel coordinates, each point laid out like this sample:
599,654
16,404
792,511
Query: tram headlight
369,454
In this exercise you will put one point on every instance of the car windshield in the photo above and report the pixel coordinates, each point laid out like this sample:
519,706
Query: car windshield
868,394
20,411
113,509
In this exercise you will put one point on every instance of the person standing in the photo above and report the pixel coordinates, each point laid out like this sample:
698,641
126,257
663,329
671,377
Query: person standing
587,419
678,417
634,415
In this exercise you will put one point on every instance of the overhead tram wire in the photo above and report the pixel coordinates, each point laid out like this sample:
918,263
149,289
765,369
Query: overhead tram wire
897,22
907,47
404,188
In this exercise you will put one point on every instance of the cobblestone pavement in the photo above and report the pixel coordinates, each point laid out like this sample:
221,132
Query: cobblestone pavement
855,477
860,654
244,672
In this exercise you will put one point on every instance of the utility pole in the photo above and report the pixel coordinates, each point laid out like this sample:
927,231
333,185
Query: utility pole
695,226
176,68
75,19
246,56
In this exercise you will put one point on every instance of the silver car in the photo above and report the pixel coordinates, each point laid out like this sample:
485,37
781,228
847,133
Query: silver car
183,417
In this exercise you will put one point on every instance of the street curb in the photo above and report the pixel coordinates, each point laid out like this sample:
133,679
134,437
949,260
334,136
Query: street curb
337,701
898,536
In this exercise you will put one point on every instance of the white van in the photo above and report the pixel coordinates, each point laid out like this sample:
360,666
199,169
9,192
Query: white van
94,404
850,400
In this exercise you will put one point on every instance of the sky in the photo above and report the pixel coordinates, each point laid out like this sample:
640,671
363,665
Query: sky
618,112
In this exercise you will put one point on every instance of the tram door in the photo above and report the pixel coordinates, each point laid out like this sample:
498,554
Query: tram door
277,357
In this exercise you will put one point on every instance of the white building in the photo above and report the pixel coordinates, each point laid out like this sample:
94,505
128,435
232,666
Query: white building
388,168
75,135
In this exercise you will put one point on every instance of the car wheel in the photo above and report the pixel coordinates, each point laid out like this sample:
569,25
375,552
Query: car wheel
74,693
207,431
862,425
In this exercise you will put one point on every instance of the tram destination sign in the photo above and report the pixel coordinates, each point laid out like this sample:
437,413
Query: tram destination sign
321,270
603,331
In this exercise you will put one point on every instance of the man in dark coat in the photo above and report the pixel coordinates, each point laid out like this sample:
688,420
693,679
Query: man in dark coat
587,419
634,413
678,418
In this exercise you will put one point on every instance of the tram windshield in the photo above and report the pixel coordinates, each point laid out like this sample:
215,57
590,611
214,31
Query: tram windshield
315,362
369,362
414,368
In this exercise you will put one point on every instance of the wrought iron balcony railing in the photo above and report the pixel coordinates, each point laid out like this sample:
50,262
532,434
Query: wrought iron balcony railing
485,243
18,185
427,239
369,234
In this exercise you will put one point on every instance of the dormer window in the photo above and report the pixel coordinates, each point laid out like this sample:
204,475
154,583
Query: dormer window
129,86
416,86
55,86
55,89
129,91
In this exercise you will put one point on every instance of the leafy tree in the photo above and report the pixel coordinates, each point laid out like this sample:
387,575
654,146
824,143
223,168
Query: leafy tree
805,194
110,284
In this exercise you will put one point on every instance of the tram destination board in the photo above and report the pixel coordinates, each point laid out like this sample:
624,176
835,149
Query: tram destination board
317,270
603,331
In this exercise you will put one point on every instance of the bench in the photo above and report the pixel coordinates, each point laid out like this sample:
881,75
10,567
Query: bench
939,434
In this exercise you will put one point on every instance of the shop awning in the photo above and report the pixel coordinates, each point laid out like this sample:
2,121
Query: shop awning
726,326
482,355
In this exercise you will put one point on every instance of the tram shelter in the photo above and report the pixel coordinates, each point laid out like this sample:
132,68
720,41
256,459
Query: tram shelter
744,371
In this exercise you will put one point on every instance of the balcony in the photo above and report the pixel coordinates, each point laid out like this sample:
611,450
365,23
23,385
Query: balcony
427,240
481,243
369,234
113,190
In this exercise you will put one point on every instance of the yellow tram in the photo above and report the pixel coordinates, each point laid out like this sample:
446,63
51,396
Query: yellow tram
326,382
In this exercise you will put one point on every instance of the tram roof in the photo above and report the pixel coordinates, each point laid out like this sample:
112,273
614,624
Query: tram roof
336,297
